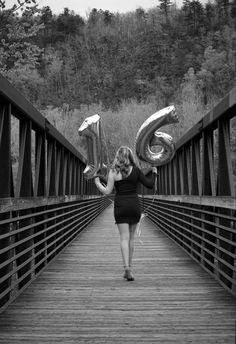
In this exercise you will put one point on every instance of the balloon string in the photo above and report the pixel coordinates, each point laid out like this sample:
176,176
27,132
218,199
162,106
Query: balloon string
139,228
143,215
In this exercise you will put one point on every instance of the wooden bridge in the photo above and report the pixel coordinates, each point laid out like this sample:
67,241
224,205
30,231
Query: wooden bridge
60,264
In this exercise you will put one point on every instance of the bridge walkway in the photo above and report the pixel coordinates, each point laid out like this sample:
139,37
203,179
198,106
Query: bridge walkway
82,297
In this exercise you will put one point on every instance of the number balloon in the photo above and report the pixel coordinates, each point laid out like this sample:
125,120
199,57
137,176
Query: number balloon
148,137
91,130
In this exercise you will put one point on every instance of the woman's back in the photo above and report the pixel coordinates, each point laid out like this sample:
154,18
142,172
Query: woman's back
128,185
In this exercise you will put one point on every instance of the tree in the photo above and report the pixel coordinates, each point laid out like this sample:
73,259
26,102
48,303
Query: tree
218,72
19,56
210,16
46,34
223,9
68,23
194,16
165,8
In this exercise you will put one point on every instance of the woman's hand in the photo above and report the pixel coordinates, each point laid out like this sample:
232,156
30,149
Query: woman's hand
154,170
105,189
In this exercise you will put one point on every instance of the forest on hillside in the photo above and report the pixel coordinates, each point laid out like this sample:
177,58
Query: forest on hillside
123,66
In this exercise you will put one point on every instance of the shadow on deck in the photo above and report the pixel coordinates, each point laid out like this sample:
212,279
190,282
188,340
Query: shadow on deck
82,296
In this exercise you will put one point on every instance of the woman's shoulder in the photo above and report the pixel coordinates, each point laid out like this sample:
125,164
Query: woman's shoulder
135,171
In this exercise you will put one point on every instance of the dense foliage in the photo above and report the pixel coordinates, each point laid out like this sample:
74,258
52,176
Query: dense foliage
118,64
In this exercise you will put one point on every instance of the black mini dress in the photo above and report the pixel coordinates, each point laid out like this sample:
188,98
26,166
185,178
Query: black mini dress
127,207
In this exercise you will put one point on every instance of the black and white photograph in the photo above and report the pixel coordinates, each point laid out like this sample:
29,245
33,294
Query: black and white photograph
118,172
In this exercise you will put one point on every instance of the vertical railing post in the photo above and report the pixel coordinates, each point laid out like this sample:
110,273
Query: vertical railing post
178,182
196,169
51,168
5,190
40,188
66,175
185,170
80,182
40,165
61,172
76,177
58,168
167,188
208,175
225,170
5,150
171,178
175,175
24,188
181,171
167,174
73,172
69,175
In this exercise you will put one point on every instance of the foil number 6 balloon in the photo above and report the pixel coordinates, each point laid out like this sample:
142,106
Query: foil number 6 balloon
148,137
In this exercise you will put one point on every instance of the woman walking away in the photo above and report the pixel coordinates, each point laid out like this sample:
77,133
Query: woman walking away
125,177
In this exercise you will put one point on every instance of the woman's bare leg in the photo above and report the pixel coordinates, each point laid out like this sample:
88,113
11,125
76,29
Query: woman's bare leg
124,242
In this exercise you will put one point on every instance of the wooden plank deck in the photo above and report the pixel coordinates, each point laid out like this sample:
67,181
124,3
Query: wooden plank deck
82,296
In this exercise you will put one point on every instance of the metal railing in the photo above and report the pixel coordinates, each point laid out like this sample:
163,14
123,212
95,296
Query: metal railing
196,206
44,199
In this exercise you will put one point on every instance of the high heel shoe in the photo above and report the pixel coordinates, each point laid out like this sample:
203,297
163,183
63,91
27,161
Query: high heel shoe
125,271
128,275
125,274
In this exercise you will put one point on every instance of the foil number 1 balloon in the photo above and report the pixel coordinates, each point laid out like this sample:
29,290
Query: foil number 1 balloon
91,130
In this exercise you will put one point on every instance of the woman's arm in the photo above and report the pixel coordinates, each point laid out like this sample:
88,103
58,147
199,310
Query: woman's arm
110,184
148,181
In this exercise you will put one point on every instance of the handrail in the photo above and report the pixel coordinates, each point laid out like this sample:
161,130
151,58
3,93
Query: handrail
196,205
46,203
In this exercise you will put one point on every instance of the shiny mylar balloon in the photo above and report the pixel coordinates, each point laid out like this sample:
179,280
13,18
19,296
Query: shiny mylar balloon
91,130
148,138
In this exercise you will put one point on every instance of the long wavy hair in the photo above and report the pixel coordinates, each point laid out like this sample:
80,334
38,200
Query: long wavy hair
124,158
